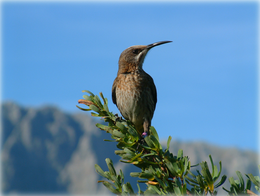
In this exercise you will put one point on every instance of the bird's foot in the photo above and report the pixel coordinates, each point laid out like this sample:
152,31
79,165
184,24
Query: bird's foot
142,139
144,134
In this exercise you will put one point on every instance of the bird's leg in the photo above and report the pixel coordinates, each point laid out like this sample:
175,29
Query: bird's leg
146,126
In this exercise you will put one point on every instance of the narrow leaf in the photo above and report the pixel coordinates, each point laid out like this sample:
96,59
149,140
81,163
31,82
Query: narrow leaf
177,191
180,153
248,184
88,98
118,134
252,178
222,181
212,165
168,142
148,176
128,188
241,180
86,91
84,109
111,187
104,100
100,171
149,141
110,166
135,174
154,132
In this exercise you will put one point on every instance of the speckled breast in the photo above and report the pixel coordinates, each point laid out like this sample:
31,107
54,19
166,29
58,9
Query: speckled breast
130,94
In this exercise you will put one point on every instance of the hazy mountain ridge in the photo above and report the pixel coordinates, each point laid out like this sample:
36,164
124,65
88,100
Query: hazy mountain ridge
45,150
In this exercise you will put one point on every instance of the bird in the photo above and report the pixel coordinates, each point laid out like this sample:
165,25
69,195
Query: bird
133,91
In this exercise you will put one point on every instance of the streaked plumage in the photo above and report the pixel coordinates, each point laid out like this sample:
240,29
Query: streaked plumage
133,90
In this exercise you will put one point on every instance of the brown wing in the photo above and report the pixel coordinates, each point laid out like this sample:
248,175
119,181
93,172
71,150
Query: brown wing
153,90
114,91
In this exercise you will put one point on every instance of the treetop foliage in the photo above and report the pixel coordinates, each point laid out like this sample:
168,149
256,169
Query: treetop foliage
162,172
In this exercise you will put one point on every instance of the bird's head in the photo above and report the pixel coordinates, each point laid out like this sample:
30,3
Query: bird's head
132,58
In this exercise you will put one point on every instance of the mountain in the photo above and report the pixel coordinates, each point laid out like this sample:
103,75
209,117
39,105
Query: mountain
48,151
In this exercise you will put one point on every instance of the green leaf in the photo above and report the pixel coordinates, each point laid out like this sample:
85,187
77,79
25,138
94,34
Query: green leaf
194,165
84,109
122,175
122,144
106,108
248,184
97,101
127,150
146,175
110,166
100,171
135,174
142,181
254,180
172,168
215,174
104,99
152,190
111,187
128,188
212,165
94,114
226,190
186,166
191,180
129,154
133,132
109,140
242,187
117,182
121,127
153,153
177,191
149,142
94,108
180,154
168,143
137,156
120,152
222,181
118,134
184,188
155,142
206,173
88,98
103,127
191,174
139,189
154,133
200,181
232,182
86,91
161,183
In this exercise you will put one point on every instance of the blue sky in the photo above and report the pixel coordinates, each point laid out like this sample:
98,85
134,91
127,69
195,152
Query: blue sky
206,78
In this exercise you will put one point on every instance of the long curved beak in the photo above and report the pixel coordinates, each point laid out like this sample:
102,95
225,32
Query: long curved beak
157,44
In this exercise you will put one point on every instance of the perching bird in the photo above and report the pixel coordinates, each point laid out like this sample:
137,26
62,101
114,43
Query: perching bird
134,91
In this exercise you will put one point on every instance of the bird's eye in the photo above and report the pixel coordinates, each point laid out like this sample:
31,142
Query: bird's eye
136,51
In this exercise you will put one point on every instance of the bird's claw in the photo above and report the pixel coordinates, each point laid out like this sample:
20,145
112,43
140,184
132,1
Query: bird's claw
144,134
142,139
